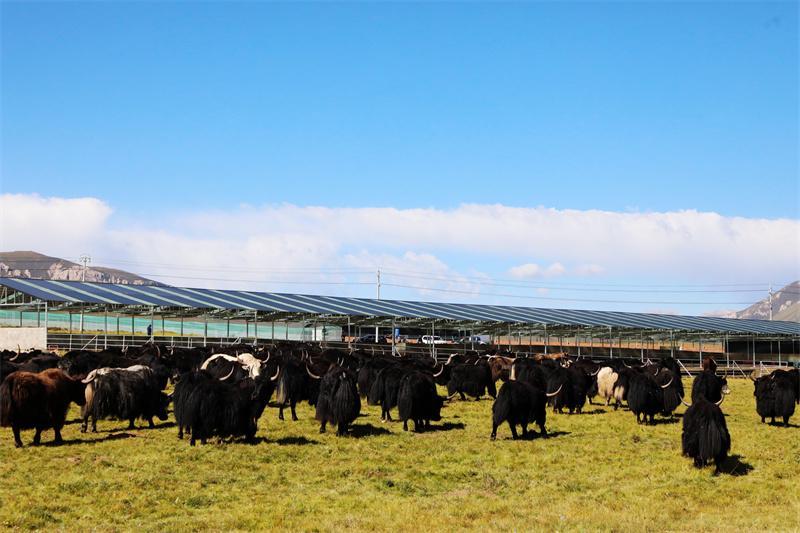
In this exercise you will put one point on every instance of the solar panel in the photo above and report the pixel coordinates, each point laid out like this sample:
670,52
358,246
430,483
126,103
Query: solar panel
75,292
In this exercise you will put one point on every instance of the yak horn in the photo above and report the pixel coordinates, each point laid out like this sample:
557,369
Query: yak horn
90,377
668,384
721,399
551,394
229,374
439,373
751,377
18,353
657,371
683,402
626,364
450,359
452,395
340,361
310,373
269,354
278,371
596,371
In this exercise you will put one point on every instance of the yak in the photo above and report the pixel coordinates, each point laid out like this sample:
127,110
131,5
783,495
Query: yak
38,401
472,379
295,384
124,394
385,389
705,433
519,403
776,396
210,407
338,402
646,396
418,400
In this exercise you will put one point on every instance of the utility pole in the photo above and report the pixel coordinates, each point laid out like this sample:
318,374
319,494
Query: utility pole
378,292
85,259
770,301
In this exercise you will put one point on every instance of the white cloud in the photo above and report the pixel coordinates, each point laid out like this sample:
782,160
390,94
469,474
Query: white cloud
705,247
60,226
532,270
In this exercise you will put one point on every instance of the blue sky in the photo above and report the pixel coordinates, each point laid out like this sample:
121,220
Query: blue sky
619,107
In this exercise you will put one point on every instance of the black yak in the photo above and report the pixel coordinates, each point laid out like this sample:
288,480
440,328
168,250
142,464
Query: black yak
385,389
519,403
338,402
295,384
210,407
124,394
418,400
471,379
38,401
646,395
705,432
776,396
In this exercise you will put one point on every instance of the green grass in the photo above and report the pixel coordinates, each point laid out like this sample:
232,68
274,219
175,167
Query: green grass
598,472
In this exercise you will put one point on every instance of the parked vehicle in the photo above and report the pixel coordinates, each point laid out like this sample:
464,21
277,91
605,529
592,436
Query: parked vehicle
475,339
432,339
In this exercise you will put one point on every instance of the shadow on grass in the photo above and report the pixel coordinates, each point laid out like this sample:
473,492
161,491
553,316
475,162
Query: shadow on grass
734,466
116,436
597,411
291,441
447,426
778,424
536,435
145,427
367,430
665,421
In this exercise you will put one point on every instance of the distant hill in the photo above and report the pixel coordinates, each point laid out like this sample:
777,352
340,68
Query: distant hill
39,266
785,306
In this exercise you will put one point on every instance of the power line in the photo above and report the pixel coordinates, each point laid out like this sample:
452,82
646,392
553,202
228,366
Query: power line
521,284
473,293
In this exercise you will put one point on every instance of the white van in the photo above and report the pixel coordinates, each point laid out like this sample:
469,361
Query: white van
432,339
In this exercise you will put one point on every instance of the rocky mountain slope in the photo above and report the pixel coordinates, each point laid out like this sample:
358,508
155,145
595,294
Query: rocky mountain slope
785,305
26,264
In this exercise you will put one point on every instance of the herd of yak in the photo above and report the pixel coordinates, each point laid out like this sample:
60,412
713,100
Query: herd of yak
223,392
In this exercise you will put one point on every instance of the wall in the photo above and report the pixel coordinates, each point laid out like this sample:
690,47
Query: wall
23,338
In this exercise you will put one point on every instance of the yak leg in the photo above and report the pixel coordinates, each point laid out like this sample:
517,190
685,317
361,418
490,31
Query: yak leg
786,421
342,429
543,430
322,427
462,395
513,430
94,424
150,423
524,429
493,436
389,415
280,413
17,440
37,437
405,425
180,431
131,425
57,432
294,415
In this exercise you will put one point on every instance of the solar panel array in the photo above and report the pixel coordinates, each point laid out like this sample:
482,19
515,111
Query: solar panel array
178,297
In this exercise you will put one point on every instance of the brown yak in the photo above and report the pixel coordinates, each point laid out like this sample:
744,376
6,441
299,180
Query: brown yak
38,401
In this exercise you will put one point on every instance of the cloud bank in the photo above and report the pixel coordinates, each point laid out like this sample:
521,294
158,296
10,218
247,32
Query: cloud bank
526,243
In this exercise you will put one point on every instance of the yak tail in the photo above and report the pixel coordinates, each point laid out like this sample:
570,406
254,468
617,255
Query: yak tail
281,393
501,409
376,391
5,401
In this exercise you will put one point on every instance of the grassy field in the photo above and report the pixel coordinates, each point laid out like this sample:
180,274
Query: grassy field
598,471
